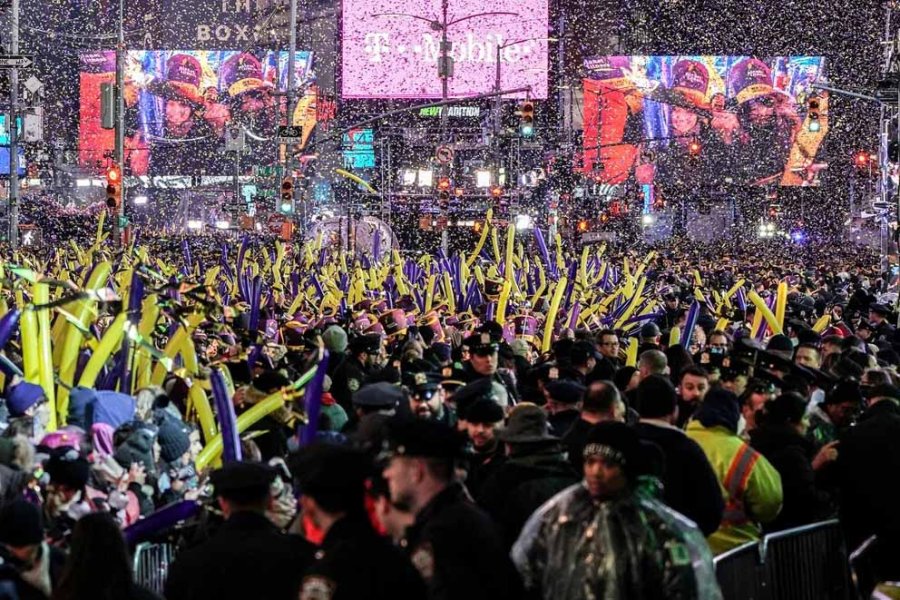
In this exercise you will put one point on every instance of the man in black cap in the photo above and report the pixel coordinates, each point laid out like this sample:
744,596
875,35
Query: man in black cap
426,399
481,420
599,539
374,405
248,557
483,361
689,484
535,469
583,358
650,338
364,355
28,564
353,561
563,397
882,330
453,544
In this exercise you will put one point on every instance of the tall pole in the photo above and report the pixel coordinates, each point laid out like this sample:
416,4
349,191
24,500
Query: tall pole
292,103
444,71
119,221
498,99
13,131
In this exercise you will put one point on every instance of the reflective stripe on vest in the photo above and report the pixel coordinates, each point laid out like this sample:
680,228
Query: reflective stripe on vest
736,484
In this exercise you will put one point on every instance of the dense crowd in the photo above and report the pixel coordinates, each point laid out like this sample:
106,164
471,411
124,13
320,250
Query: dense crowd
596,425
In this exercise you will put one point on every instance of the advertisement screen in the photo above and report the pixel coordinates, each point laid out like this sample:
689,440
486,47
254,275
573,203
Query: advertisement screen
179,104
358,146
696,121
391,47
4,130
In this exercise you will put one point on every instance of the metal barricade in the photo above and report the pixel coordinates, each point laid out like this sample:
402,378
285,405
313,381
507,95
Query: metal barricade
151,565
863,570
809,562
741,573
805,563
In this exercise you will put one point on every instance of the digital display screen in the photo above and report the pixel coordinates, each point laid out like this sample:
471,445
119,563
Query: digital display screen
694,121
179,105
391,47
358,149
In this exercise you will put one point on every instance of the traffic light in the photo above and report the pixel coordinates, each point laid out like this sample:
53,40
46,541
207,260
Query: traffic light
582,226
443,184
694,147
287,194
813,113
526,119
496,191
113,187
861,159
444,200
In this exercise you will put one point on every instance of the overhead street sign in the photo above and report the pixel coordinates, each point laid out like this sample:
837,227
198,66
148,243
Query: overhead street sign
13,62
290,134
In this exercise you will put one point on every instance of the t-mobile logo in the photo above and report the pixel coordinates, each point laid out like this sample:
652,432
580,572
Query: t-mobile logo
379,45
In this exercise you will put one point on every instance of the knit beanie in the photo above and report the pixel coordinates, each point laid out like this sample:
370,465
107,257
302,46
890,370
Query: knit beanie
174,439
137,448
23,396
21,524
66,467
335,339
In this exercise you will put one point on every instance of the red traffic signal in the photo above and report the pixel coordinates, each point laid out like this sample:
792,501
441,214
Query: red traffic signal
862,159
113,187
443,184
496,191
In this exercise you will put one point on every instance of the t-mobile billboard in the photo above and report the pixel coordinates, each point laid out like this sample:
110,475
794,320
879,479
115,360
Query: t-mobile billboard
391,47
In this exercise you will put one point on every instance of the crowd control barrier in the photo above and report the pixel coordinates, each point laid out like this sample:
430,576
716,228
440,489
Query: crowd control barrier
151,565
805,563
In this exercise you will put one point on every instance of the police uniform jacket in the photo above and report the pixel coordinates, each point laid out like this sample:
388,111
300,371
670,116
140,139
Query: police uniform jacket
355,563
348,378
458,551
248,557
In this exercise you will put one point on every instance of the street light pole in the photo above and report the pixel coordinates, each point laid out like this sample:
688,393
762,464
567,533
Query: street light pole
119,220
13,131
292,100
498,99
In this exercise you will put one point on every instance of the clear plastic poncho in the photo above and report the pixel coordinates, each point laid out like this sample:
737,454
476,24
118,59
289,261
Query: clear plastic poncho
631,548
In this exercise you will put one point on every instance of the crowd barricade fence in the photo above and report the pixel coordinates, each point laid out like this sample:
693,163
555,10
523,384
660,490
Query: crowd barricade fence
804,563
151,565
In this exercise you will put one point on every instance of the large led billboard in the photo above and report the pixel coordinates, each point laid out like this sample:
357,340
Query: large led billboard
180,103
391,47
695,121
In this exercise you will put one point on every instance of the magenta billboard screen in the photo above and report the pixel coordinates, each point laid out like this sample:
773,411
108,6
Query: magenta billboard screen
391,47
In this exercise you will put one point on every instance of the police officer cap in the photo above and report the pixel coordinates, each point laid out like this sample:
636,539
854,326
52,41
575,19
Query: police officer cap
422,381
469,394
369,343
241,479
425,438
378,395
484,410
330,472
880,309
566,391
481,342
